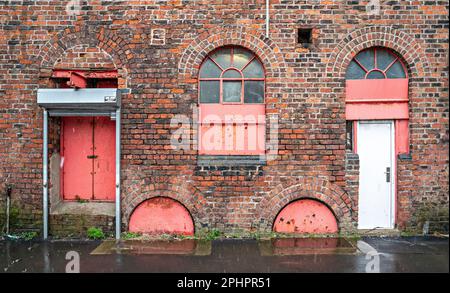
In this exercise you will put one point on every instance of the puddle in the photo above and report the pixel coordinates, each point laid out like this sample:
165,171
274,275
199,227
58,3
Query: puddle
137,247
305,246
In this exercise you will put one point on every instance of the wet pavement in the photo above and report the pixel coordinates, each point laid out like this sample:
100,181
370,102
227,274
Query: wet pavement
401,254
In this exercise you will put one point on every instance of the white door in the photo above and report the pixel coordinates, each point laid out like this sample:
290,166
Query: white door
375,147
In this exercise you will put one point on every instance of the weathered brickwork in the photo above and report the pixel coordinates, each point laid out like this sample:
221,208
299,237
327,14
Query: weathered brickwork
157,47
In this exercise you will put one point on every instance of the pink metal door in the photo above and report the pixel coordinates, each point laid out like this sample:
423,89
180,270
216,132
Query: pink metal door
105,159
88,158
76,159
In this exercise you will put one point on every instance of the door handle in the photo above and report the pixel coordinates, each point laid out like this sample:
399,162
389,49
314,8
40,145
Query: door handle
92,157
388,174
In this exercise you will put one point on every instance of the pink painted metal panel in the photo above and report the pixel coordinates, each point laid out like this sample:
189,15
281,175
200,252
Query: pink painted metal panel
232,129
401,137
105,159
378,111
76,164
77,80
108,74
161,215
306,216
372,90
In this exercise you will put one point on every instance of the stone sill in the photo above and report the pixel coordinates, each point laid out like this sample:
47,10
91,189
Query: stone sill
206,160
88,208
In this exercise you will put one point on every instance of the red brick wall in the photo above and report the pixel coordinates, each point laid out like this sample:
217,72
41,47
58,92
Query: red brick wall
158,47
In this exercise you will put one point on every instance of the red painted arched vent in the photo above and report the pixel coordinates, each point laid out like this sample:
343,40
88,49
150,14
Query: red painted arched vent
306,216
161,215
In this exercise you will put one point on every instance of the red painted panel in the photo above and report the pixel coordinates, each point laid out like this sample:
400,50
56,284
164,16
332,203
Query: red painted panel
377,89
76,166
377,111
108,74
77,80
232,129
161,215
104,163
306,216
401,137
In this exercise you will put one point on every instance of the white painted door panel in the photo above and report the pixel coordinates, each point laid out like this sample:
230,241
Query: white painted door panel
375,149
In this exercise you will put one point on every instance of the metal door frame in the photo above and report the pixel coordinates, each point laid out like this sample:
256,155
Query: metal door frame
81,102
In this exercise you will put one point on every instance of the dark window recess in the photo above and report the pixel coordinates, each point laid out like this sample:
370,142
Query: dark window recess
91,83
349,136
304,36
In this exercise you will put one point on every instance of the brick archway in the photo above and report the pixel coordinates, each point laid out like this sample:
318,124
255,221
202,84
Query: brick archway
104,40
410,49
420,71
318,189
265,49
137,188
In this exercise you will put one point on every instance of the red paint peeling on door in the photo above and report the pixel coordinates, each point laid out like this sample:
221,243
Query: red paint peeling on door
306,216
161,216
88,158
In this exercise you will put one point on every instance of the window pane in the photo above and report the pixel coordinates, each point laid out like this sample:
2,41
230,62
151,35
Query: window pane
209,91
367,59
384,58
396,71
254,70
354,71
232,91
241,57
210,70
254,92
223,57
375,75
232,74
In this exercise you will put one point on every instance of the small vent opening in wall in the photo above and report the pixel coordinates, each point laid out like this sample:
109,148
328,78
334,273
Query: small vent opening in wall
304,37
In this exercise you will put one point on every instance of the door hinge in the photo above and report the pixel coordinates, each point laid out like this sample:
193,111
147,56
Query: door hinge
92,157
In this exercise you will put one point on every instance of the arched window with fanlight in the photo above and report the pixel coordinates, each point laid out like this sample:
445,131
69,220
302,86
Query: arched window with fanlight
231,100
377,89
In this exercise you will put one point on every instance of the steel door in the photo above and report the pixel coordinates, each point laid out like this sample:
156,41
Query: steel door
88,160
76,165
105,158
375,146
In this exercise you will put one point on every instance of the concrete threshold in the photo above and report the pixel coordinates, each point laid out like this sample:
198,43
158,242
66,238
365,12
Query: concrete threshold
155,247
307,246
379,232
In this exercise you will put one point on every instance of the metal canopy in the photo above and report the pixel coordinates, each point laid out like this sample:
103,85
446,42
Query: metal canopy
92,100
79,102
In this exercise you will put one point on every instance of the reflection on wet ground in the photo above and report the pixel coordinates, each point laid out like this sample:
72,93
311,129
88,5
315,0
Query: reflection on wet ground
405,254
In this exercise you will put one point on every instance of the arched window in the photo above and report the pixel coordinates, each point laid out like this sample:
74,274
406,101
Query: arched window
377,89
232,75
376,63
231,98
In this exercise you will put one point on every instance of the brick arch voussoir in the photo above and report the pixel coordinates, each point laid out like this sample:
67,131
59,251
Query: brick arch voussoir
410,49
197,50
189,197
102,38
307,188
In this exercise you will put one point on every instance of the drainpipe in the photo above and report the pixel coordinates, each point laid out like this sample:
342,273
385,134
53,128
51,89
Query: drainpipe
45,175
267,18
118,214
